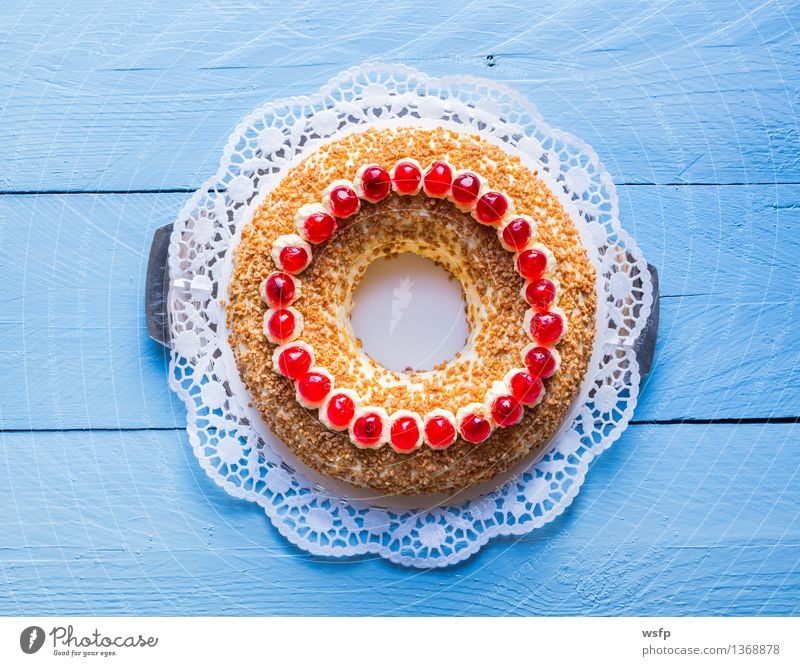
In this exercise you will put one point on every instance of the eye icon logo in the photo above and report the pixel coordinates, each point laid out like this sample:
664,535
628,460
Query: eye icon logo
31,639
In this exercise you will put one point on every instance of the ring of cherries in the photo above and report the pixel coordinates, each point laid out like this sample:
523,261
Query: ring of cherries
340,409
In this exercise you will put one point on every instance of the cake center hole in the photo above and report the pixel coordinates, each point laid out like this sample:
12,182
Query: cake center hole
409,313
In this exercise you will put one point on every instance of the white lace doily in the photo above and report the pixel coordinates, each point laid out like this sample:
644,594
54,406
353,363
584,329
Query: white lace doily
231,442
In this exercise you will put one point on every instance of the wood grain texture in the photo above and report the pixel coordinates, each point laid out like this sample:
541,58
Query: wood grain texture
128,523
112,98
77,355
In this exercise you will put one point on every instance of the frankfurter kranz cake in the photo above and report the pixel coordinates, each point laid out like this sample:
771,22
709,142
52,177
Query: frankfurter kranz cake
482,215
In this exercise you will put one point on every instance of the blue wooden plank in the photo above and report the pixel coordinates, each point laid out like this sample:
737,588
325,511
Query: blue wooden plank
672,520
76,345
76,355
107,98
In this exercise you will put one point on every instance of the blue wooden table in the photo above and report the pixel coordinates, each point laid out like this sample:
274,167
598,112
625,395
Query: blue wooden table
112,113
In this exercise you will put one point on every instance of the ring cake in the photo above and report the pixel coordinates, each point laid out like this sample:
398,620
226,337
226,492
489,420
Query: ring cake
480,214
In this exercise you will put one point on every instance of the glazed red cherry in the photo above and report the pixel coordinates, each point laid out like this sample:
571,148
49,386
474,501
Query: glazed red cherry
526,388
506,411
294,362
466,187
439,432
491,207
540,362
314,387
517,233
438,178
540,294
407,177
279,290
375,183
319,227
368,428
404,434
547,327
340,410
531,264
475,428
344,201
293,259
281,325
